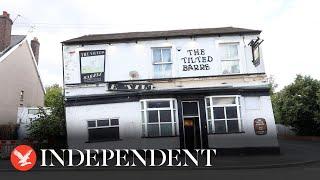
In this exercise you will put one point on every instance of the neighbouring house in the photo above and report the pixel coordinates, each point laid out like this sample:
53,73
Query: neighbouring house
20,81
193,88
26,116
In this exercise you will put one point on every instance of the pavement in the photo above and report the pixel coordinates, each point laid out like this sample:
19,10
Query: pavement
294,153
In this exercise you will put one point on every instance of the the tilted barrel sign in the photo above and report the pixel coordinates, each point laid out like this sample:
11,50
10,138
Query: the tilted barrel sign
255,46
124,86
92,66
260,126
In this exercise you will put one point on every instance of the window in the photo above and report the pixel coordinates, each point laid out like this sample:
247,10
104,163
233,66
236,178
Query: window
223,114
159,118
103,130
229,58
21,95
162,64
33,111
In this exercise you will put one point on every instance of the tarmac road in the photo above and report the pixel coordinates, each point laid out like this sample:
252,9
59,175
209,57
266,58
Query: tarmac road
307,172
298,160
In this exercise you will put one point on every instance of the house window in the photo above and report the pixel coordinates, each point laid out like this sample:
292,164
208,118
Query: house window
162,64
103,130
229,57
223,114
33,111
159,118
21,95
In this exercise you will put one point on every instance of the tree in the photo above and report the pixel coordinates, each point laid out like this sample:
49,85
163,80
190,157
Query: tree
272,83
298,105
50,126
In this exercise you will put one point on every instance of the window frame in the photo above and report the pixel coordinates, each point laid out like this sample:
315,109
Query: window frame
161,62
34,109
220,44
174,117
225,119
21,95
100,127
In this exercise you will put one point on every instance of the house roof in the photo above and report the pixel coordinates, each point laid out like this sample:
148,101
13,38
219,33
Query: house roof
131,36
15,39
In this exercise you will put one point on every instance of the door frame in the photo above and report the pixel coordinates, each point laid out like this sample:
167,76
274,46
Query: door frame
199,119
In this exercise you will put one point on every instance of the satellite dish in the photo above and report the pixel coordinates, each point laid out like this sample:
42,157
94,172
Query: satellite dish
134,74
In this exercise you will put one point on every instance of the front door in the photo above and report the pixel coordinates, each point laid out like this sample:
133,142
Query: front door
191,124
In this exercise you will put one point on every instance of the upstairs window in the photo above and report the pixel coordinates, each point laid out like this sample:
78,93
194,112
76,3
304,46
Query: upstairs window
162,63
21,95
229,57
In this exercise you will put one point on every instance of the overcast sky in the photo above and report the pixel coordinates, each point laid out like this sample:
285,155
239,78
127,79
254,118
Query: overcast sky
290,27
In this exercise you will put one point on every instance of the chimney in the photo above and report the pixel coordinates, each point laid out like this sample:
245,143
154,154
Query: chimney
5,30
35,45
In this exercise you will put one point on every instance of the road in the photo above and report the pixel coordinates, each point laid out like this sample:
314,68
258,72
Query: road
309,171
299,160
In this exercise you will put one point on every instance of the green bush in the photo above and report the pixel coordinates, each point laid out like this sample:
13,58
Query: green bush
298,105
51,126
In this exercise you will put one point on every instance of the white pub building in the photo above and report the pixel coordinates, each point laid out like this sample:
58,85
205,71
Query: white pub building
193,88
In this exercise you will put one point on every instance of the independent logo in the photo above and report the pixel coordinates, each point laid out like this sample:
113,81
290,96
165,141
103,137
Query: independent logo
23,158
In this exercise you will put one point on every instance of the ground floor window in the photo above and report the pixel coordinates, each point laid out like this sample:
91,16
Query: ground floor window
159,117
223,114
103,130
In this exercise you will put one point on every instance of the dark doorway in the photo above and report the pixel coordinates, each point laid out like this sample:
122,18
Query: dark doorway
191,125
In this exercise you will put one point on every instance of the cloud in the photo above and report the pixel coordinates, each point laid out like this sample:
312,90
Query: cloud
291,43
289,27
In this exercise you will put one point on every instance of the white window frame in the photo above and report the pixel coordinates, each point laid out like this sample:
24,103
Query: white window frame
211,106
104,127
174,116
33,109
234,60
162,62
108,126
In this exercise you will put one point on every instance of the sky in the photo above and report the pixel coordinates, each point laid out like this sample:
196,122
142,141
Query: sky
290,28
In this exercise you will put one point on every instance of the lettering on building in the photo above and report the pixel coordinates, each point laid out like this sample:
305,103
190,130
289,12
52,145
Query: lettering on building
196,60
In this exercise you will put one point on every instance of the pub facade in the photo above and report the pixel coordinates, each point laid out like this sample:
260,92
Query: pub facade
193,88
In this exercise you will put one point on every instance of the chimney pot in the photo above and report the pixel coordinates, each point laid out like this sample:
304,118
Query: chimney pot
5,30
6,14
35,46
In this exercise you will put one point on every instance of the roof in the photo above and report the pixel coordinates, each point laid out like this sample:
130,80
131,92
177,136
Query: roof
131,36
15,39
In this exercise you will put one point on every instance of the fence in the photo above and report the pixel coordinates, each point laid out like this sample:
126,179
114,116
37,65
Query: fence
8,131
6,146
283,130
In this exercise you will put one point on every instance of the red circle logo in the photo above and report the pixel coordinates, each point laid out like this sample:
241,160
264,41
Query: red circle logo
23,158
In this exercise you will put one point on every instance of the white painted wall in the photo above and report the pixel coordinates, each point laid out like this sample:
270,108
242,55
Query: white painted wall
230,81
249,138
130,127
121,58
